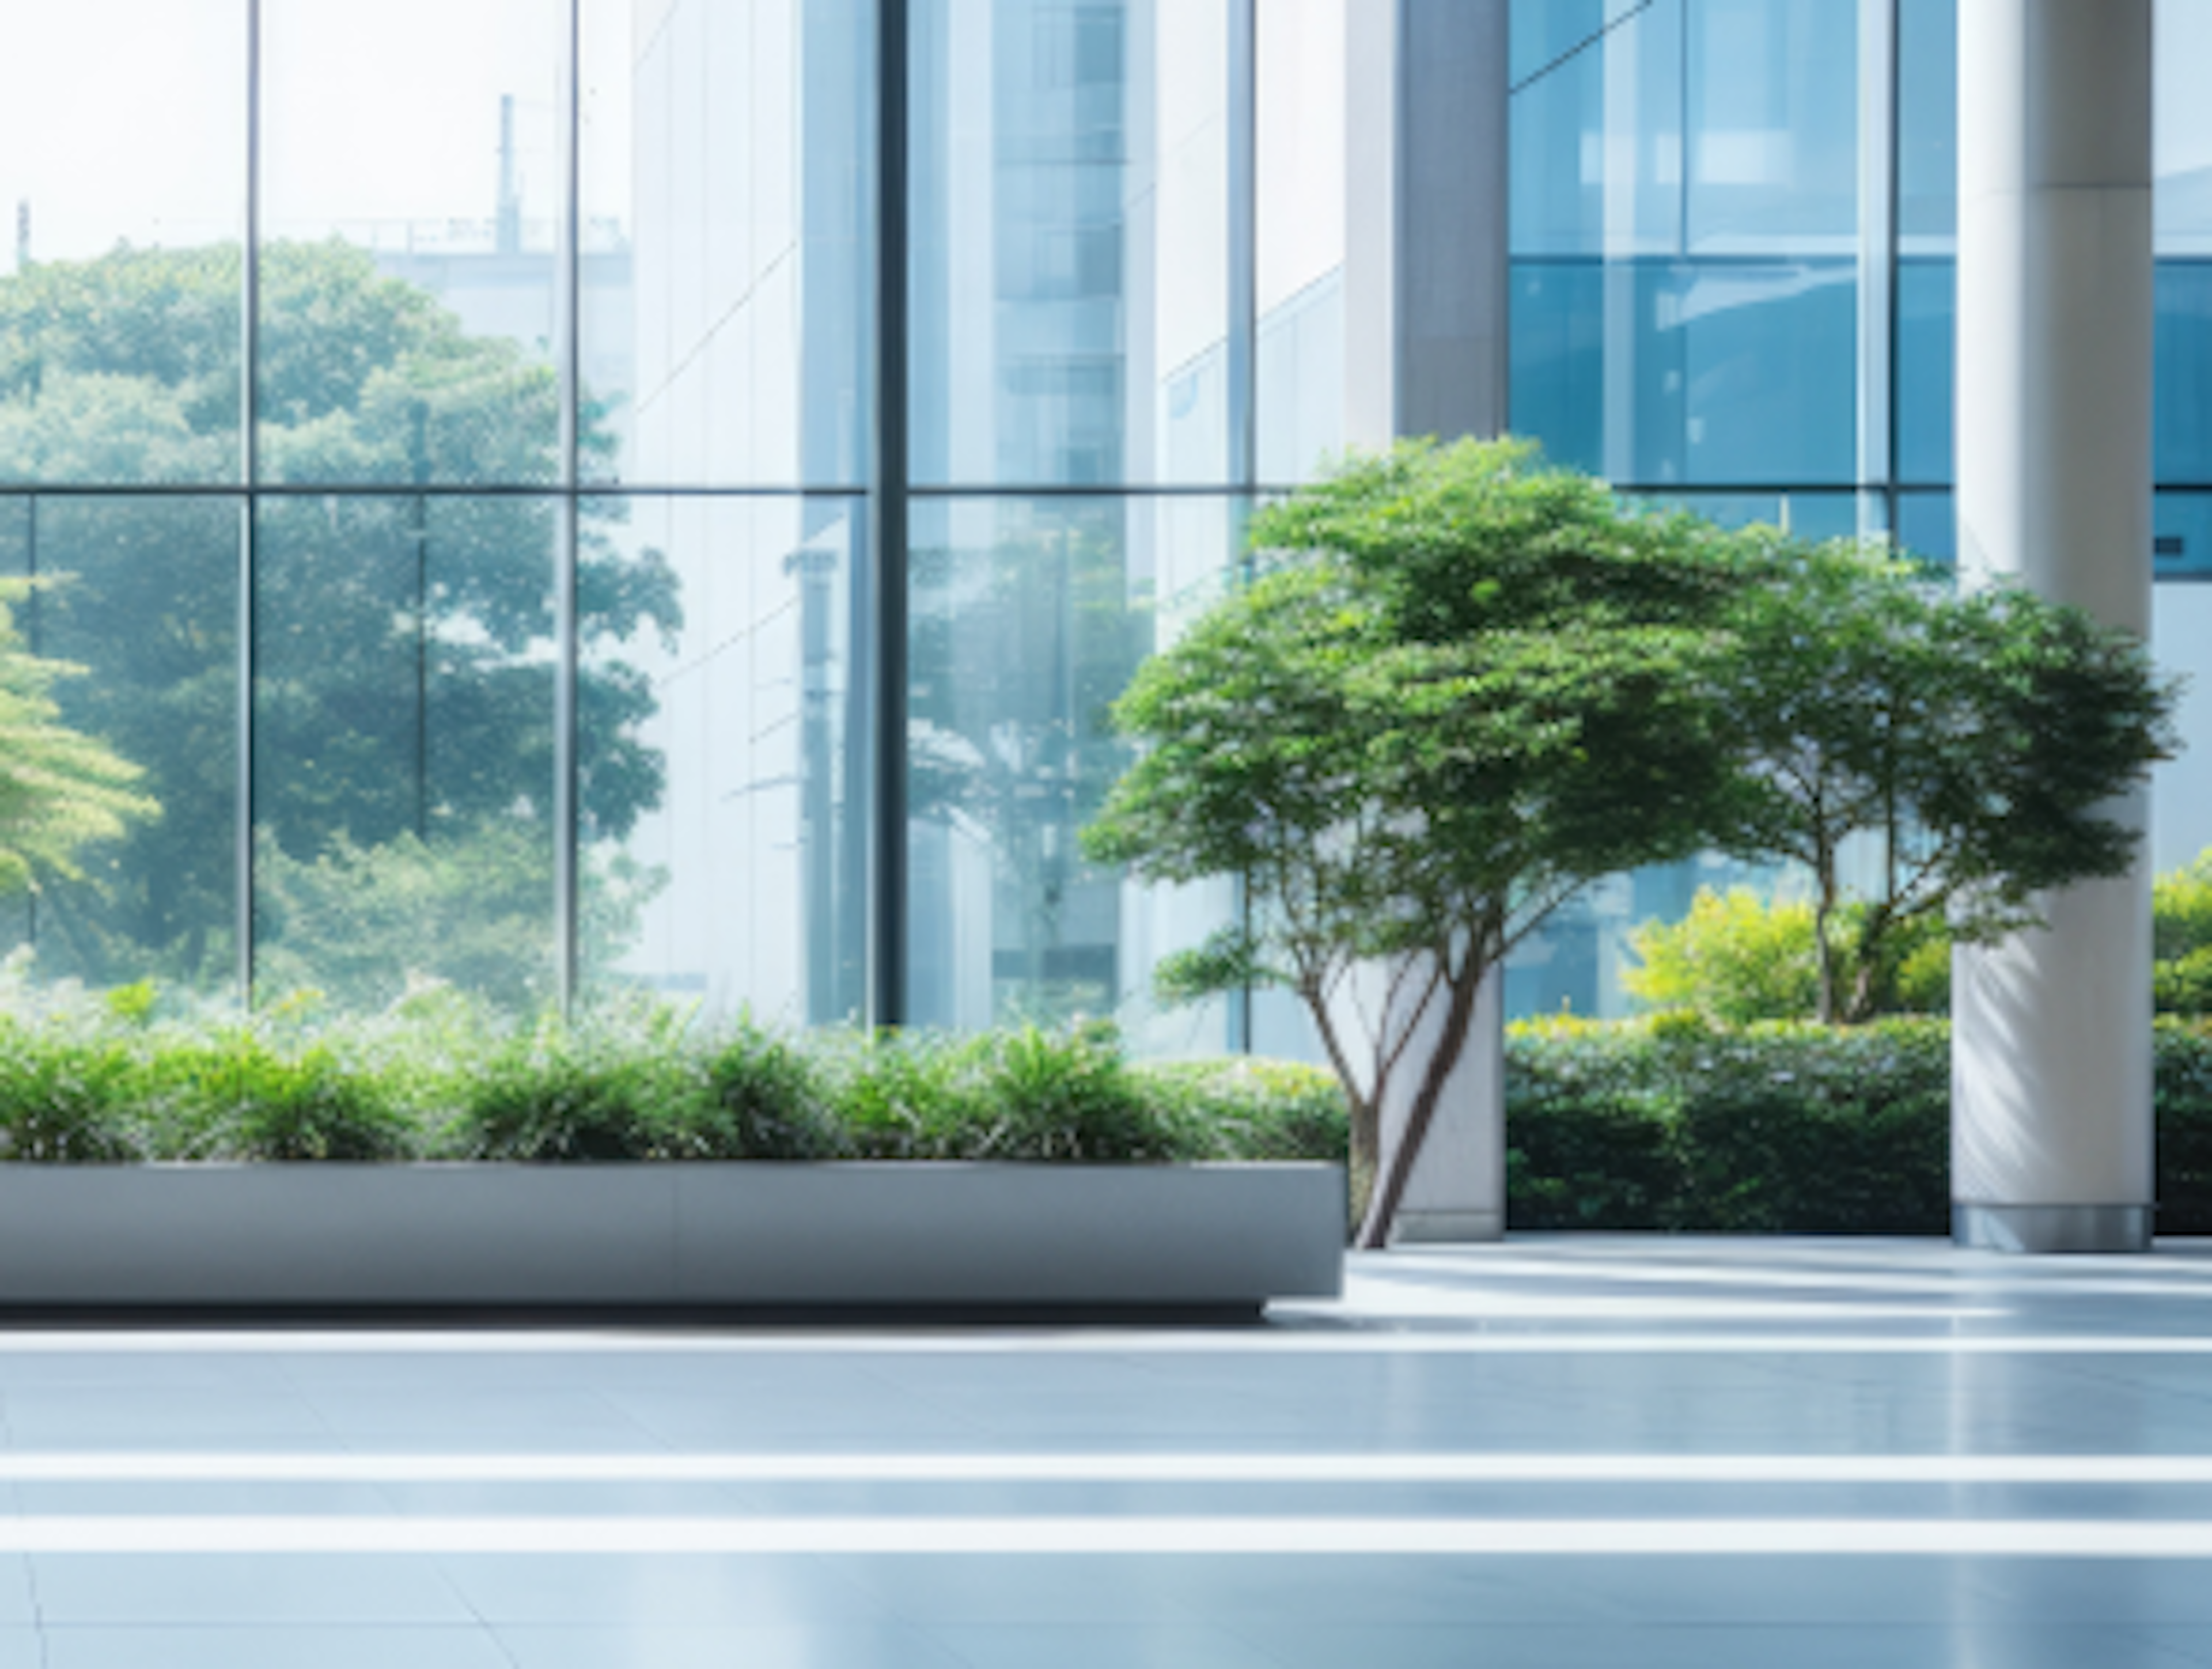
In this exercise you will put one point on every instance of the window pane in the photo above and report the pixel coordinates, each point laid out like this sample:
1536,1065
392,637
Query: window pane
1653,372
403,748
1596,152
119,279
1926,313
726,324
410,202
144,598
1298,227
724,850
2182,128
1772,97
1027,619
1069,272
1927,125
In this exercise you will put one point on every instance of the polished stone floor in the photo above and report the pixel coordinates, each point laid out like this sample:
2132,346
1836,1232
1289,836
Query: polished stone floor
1592,1451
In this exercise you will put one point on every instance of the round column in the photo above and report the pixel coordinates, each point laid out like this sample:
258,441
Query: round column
2052,1129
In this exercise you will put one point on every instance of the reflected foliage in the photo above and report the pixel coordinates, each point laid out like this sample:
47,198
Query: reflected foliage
404,644
1019,649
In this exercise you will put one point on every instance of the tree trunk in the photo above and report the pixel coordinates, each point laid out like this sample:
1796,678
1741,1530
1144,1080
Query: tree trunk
1397,1170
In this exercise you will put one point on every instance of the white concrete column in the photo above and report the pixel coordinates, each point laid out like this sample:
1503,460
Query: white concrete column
1425,342
2051,1128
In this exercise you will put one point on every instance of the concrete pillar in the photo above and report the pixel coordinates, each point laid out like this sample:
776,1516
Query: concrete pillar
2051,1127
1424,292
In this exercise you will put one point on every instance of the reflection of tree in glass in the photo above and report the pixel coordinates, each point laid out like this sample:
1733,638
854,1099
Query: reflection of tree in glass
404,644
58,790
1018,649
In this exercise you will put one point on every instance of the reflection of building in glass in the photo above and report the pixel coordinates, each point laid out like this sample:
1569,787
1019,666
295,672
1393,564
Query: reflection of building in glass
1137,294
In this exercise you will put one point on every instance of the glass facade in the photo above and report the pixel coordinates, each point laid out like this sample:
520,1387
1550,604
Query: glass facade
1732,240
449,448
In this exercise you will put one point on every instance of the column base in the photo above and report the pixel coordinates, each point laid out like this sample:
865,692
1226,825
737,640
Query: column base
2033,1229
1446,1228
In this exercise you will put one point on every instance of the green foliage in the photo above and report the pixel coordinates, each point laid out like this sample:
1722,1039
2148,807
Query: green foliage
1735,958
60,790
1977,740
2181,1091
562,1095
366,924
1467,687
239,1095
769,1094
371,612
1769,1129
67,1096
2181,934
1743,958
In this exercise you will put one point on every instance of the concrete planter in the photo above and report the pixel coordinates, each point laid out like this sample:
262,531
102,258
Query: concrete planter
815,1235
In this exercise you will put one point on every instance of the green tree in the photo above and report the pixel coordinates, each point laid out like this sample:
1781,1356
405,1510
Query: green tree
1974,742
403,643
59,789
1471,687
1738,958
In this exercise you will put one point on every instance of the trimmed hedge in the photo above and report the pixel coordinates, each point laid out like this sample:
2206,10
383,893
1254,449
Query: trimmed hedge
1676,1125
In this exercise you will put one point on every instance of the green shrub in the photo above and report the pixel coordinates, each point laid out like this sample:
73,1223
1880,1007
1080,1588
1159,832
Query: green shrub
766,1100
1255,1109
1813,1130
563,1095
1739,958
1590,1130
68,1100
2182,1093
238,1096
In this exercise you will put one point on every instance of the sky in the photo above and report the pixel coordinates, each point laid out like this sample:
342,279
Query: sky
124,119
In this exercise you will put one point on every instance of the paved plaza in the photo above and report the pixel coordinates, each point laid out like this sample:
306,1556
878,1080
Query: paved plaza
1591,1451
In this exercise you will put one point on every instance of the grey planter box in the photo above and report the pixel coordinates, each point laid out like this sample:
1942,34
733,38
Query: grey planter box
766,1235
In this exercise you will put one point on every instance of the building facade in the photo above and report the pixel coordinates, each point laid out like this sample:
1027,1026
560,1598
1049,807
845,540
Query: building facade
523,607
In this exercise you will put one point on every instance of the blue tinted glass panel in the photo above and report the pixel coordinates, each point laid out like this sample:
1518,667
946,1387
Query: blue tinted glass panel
2182,544
1928,123
1558,359
1596,155
1768,370
1772,102
1651,372
2181,429
1926,527
1925,292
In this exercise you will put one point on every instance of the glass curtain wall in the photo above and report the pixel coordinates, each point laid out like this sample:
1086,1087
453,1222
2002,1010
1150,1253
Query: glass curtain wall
447,454
441,452
1733,231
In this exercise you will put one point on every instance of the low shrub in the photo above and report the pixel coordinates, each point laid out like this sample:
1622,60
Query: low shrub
67,1099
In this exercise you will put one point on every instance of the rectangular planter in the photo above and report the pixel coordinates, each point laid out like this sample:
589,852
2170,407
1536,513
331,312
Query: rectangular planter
815,1235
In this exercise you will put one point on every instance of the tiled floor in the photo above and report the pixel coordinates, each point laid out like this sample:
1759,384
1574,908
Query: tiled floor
1607,1451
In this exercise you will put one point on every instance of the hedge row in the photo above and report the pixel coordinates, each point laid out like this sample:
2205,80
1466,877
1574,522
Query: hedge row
1666,1124
1674,1125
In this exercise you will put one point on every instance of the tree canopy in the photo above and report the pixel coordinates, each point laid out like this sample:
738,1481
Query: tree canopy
403,642
1973,745
59,790
1463,686
1466,687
